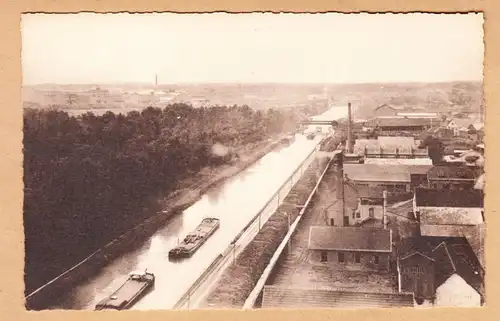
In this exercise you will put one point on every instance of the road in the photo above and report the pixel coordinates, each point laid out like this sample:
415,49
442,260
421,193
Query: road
235,202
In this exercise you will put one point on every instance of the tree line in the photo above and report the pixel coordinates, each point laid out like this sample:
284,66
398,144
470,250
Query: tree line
87,177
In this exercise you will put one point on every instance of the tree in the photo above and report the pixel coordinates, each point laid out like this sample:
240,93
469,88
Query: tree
88,178
435,148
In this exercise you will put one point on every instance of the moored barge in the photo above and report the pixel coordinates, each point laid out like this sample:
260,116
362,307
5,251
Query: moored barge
129,293
194,240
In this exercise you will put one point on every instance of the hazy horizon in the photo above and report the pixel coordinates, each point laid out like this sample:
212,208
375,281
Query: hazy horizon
333,48
259,83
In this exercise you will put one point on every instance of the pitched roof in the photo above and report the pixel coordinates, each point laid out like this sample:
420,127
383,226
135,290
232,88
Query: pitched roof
451,254
459,259
369,144
429,197
450,215
480,183
433,230
392,107
463,123
427,162
396,141
388,145
296,298
350,239
398,121
377,173
376,192
427,115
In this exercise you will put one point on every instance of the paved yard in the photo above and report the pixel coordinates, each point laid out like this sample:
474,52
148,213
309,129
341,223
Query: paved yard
296,271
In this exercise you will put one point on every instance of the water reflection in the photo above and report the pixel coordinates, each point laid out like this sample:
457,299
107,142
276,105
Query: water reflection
235,202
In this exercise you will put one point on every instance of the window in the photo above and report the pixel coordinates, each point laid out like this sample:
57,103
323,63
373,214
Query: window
324,256
358,214
332,222
341,257
353,214
371,212
375,259
357,257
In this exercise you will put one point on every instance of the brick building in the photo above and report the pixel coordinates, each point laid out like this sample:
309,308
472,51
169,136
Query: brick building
351,248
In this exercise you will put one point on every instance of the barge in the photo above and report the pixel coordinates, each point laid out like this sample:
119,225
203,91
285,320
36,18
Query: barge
194,240
289,139
129,293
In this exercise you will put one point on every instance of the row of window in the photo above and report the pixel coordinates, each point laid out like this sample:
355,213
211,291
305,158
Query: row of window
371,213
357,257
391,188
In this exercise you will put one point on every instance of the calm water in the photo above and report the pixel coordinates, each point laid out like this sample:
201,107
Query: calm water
235,202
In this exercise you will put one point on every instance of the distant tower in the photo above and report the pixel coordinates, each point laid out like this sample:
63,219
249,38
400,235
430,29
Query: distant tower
326,94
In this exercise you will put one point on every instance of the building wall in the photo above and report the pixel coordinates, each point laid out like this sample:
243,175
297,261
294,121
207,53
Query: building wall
417,276
419,180
366,260
391,186
455,292
438,184
364,212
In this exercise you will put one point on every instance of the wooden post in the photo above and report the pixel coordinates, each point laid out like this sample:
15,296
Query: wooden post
385,209
289,243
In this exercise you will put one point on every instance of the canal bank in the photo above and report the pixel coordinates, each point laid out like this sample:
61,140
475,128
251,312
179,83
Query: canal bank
43,297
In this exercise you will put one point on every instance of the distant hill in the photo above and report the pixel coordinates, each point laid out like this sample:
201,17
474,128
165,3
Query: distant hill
451,96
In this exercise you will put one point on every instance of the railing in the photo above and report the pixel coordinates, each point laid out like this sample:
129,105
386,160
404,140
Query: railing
252,298
203,284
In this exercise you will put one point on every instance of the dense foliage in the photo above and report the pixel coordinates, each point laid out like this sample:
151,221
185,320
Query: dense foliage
88,178
435,148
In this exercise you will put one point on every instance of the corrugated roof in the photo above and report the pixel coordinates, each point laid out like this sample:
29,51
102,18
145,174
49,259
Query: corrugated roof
377,173
428,197
446,230
389,145
450,215
398,121
295,298
432,115
400,161
350,239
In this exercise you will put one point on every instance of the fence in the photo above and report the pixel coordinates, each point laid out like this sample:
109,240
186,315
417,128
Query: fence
203,284
252,298
52,290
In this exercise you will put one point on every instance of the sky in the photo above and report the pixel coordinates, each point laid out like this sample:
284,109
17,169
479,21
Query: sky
90,48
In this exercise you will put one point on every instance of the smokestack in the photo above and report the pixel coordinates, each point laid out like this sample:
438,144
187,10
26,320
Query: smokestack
339,219
349,129
384,210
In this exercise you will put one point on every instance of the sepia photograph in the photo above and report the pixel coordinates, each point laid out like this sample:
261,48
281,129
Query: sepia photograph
253,161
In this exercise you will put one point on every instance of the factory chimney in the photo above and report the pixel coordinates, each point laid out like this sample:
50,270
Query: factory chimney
384,209
350,142
340,210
